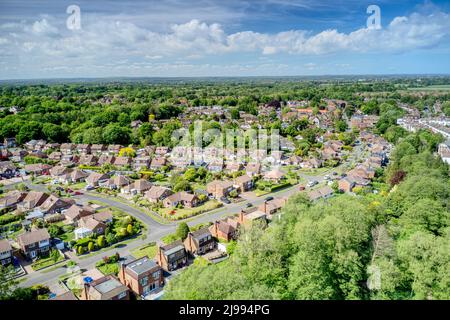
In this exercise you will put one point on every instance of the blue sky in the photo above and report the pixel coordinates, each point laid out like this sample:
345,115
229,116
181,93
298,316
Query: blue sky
222,38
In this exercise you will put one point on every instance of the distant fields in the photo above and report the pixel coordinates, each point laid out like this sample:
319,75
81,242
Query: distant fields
443,87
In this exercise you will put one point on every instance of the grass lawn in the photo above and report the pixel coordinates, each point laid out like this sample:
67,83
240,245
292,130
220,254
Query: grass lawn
109,268
148,250
169,238
431,88
260,193
78,186
189,212
46,262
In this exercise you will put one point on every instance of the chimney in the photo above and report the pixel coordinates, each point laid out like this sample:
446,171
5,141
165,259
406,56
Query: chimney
241,216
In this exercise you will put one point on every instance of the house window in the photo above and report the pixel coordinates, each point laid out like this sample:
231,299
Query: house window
122,295
144,281
156,275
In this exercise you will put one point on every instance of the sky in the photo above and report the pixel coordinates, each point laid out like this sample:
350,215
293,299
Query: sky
186,38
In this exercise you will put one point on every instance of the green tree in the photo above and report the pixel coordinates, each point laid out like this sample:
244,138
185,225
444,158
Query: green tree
182,230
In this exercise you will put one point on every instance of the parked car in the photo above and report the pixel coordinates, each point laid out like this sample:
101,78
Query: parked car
89,188
301,188
78,193
312,183
249,205
269,198
225,200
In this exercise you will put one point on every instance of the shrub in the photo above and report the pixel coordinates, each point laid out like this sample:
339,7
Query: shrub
91,246
80,250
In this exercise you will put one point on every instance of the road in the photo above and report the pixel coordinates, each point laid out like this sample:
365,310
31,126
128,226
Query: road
155,229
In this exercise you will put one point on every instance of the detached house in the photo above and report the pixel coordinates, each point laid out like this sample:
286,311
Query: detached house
116,182
53,204
76,212
34,243
275,175
37,168
141,163
137,187
83,148
106,159
88,226
96,178
105,288
122,161
272,206
157,194
243,183
74,176
172,256
58,171
97,149
32,200
12,199
88,160
7,169
142,276
6,253
200,242
157,163
67,148
321,193
219,189
187,200
225,229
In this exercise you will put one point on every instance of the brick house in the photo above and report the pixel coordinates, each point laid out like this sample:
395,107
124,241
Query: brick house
34,243
218,188
105,288
32,200
172,256
54,204
142,276
187,200
157,194
225,229
244,183
200,242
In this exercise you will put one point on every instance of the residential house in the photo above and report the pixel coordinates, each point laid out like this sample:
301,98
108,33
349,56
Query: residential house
32,200
231,167
216,165
142,276
75,176
55,156
53,205
187,200
172,256
113,149
12,199
18,155
157,194
157,163
141,163
5,154
67,148
10,142
105,288
161,151
295,160
346,184
117,182
253,169
312,163
219,189
88,160
69,159
58,171
51,146
200,242
105,216
274,176
97,149
250,216
137,187
321,193
37,168
106,159
83,148
34,243
243,183
96,178
6,253
7,169
270,207
225,229
122,161
76,212
89,225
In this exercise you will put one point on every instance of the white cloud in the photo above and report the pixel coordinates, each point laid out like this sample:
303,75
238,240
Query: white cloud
48,43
